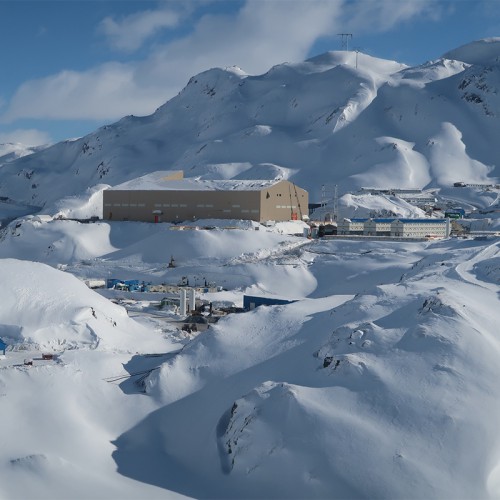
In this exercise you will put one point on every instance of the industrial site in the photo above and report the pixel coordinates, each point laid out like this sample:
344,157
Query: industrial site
279,285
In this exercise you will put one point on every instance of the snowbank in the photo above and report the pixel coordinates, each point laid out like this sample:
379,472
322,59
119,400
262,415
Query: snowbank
50,309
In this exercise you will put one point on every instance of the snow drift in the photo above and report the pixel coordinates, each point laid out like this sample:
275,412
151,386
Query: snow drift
50,309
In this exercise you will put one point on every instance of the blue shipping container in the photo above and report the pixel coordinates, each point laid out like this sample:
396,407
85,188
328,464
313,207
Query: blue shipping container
251,302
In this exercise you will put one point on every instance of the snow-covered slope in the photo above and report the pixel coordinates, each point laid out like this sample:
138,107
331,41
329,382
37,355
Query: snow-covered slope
50,309
323,120
376,378
339,397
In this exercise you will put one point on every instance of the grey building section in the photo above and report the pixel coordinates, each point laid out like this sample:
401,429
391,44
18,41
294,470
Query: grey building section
160,198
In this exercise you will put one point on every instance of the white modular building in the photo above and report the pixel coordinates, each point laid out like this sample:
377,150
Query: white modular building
351,226
421,228
377,227
396,228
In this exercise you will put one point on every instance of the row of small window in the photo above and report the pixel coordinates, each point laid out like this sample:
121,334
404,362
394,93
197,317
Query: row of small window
124,204
421,229
177,205
435,224
168,205
422,233
199,205
243,211
157,205
286,206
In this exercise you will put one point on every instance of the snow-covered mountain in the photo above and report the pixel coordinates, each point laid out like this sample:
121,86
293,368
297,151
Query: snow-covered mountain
324,120
378,380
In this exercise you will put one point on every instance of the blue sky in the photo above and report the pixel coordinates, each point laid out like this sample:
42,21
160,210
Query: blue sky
70,66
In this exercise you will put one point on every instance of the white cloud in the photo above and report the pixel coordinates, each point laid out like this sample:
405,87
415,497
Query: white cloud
375,16
263,33
258,36
27,137
129,33
106,92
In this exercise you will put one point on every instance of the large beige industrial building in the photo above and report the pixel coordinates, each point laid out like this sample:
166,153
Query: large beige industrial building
168,197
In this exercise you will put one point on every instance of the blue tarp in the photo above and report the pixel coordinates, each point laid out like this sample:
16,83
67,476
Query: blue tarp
131,285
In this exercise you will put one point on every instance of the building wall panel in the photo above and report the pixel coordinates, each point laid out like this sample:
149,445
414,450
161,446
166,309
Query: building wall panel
284,201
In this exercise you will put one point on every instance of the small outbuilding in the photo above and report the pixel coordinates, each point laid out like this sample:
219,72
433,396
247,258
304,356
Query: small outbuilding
455,213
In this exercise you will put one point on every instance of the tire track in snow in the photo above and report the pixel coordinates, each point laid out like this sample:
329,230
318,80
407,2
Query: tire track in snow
465,269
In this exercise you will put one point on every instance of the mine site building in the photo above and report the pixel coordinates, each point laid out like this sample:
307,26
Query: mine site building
377,227
351,226
421,228
396,228
168,197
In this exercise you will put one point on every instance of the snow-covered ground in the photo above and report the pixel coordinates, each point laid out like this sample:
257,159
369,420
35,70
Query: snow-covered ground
377,377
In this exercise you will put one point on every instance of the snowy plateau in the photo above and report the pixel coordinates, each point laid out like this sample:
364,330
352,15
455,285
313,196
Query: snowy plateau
379,380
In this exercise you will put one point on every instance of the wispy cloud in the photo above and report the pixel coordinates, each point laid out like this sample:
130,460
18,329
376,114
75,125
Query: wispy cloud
256,37
377,16
101,93
129,33
27,137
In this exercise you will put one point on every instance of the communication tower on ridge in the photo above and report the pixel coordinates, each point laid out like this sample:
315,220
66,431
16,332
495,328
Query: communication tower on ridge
329,201
345,37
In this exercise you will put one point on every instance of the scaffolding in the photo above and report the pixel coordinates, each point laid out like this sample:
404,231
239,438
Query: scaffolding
329,199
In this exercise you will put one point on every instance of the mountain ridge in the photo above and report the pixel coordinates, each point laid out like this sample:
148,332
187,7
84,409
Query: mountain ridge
340,117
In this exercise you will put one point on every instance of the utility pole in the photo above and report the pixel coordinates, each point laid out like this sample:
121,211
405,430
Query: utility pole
336,203
345,40
324,198
329,198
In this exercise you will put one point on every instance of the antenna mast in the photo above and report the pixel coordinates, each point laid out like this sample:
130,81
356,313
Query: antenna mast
356,49
336,203
329,198
324,196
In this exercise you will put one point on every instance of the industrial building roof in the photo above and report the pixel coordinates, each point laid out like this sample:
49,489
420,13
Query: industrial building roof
405,221
158,181
420,221
392,219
